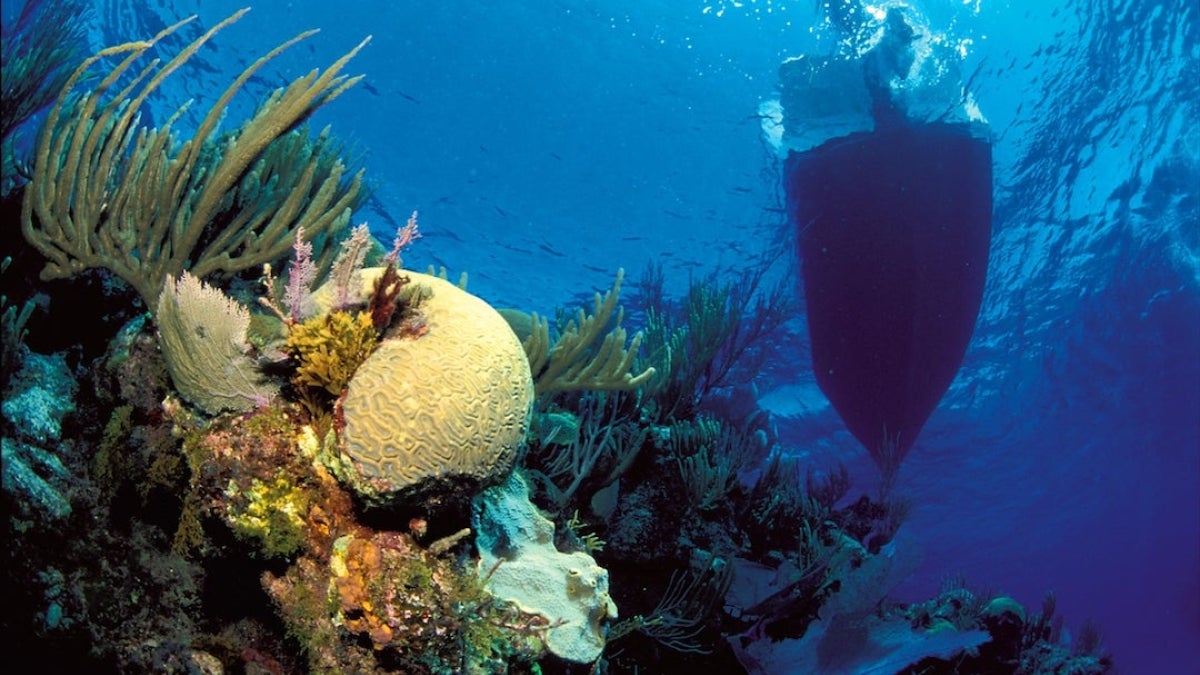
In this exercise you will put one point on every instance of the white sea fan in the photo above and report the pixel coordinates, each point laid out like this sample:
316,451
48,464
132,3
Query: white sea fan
202,333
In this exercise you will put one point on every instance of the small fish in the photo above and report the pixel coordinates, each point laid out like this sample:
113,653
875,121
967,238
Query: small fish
262,82
377,204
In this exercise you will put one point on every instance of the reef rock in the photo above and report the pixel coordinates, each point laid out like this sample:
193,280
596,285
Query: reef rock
519,564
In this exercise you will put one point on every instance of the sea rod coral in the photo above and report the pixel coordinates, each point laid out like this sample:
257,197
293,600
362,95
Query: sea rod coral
139,203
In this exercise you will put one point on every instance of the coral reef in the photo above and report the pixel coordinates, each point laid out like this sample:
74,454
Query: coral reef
386,475
35,402
520,564
203,334
102,203
574,361
239,549
443,412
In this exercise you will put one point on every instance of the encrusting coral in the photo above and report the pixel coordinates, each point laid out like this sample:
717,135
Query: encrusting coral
521,565
273,512
404,598
248,471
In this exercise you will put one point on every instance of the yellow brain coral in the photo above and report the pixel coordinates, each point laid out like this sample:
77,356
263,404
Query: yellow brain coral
446,410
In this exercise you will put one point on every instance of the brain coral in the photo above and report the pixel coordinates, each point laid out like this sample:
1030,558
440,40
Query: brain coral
441,413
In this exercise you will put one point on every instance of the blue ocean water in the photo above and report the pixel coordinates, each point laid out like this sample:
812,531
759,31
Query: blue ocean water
546,144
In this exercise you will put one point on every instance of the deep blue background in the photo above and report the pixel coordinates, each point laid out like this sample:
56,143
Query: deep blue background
548,143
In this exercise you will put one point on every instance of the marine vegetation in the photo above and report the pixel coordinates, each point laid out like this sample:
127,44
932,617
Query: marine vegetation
371,470
12,331
574,361
37,52
329,348
580,454
146,207
710,340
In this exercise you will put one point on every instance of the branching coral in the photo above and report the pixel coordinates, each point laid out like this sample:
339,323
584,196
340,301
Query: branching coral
36,54
689,601
139,203
709,468
697,348
574,361
602,448
776,504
